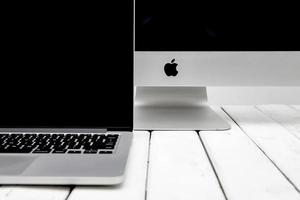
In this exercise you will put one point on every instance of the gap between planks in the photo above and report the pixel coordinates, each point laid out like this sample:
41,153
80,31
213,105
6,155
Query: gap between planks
133,187
271,138
212,165
179,168
296,107
244,171
147,170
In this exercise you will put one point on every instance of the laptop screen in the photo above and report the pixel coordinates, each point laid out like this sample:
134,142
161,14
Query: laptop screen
67,65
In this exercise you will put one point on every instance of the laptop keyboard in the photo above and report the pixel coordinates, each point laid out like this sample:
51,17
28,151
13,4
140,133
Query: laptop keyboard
58,143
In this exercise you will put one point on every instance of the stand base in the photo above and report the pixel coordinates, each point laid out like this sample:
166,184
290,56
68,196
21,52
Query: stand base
175,108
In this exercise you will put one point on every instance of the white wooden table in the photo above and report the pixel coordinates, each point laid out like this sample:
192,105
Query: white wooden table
259,158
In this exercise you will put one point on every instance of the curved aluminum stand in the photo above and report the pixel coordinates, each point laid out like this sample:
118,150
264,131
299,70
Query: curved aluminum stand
175,108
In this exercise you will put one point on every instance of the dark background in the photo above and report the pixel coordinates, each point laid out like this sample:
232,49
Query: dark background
166,25
67,65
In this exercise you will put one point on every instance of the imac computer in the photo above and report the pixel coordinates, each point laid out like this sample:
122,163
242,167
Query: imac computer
183,47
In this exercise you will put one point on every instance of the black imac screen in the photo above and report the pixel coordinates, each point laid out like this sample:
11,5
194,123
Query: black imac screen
67,65
217,26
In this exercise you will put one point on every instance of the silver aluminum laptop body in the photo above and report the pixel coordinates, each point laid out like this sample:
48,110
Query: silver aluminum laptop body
66,169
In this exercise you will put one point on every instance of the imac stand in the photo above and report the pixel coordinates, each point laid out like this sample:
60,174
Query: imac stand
175,108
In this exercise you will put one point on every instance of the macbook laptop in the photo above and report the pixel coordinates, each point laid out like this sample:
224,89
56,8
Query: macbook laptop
66,104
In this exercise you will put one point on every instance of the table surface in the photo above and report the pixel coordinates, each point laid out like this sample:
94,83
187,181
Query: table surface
259,158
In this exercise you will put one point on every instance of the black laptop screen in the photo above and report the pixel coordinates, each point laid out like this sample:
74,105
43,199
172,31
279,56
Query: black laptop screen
67,66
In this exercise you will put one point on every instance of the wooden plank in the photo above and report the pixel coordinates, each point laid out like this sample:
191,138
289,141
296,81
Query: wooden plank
179,168
274,140
296,107
284,115
134,186
4,191
33,193
243,170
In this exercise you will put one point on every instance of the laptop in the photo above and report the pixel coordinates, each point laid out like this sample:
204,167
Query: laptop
66,104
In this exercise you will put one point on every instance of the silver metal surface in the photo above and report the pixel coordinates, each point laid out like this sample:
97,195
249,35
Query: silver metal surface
175,108
212,68
67,169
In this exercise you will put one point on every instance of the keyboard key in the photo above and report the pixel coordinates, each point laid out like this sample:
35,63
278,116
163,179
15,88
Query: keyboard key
70,151
105,152
108,147
59,151
11,150
42,151
90,151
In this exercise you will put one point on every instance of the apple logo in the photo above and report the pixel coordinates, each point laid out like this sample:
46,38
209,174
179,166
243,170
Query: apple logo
170,68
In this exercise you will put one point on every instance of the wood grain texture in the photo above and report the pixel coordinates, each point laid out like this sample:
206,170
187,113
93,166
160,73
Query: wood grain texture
133,187
179,168
33,193
244,171
284,115
282,148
